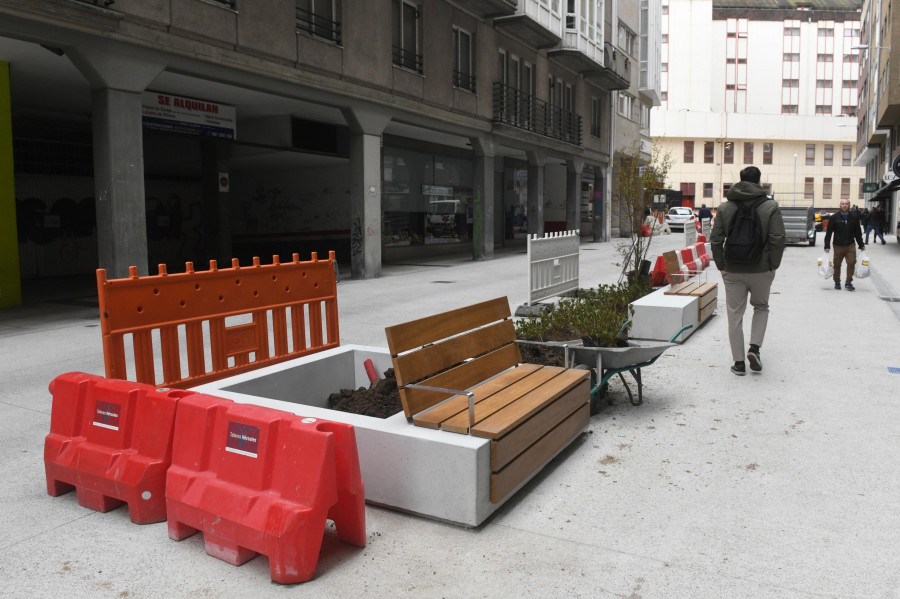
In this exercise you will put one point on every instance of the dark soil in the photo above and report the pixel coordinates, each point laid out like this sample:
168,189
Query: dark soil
541,354
381,399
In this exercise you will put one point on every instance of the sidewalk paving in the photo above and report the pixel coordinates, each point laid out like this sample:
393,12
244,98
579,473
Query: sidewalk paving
779,484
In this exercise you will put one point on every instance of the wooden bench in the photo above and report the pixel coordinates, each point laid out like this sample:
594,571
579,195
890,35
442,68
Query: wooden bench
460,371
186,329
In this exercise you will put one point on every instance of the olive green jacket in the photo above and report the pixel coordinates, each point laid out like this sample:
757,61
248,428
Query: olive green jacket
772,229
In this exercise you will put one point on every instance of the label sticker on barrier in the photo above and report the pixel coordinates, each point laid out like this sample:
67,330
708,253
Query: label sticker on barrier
106,415
242,439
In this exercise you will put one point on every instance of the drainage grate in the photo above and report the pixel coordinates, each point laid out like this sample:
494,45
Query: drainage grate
444,282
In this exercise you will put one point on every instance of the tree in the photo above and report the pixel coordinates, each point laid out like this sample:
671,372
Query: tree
638,182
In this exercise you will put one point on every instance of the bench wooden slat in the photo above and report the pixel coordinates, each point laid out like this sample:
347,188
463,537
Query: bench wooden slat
507,479
462,377
506,449
433,417
416,365
682,288
416,333
704,288
503,399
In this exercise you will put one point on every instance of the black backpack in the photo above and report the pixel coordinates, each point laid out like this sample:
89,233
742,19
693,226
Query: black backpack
744,243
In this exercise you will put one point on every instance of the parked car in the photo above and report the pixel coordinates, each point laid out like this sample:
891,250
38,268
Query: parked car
678,216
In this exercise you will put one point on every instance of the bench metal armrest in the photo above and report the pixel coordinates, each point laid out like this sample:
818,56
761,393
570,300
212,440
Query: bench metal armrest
556,344
468,394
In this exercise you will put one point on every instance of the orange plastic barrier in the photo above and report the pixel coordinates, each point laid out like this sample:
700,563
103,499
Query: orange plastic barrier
257,480
658,275
112,441
179,320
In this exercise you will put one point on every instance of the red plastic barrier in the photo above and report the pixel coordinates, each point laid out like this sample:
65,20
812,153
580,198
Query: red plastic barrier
700,248
257,480
112,441
701,238
687,258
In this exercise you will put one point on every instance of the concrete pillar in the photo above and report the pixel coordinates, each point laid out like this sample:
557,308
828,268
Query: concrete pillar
117,82
574,168
10,276
483,214
536,161
365,191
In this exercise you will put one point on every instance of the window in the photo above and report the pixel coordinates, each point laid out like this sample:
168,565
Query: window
846,158
664,96
826,188
791,31
748,152
824,57
826,31
829,155
707,190
725,189
665,9
845,188
824,83
645,120
462,57
767,153
405,17
789,109
624,105
729,152
665,38
823,109
319,18
730,61
848,110
595,117
851,57
626,40
791,57
665,67
811,154
790,83
808,188
849,83
688,152
709,150
861,181
228,3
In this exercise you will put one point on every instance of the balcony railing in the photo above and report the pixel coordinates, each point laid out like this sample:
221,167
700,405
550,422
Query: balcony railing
463,81
407,59
522,110
318,26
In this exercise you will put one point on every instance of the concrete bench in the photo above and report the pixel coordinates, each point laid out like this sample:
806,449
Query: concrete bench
460,372
659,315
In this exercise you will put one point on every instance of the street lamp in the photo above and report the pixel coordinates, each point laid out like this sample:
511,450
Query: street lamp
795,180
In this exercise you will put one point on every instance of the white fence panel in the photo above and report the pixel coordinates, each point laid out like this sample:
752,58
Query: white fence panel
552,264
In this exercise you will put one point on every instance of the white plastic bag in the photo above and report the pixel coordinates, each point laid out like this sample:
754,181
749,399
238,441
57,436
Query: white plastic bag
826,266
862,269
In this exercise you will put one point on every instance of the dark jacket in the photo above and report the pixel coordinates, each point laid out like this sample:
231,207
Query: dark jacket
772,228
876,218
844,232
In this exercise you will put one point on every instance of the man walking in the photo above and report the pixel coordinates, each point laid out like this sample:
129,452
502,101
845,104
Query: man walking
844,226
705,215
747,272
875,223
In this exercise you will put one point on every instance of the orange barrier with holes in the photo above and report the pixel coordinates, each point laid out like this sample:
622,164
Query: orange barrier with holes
185,322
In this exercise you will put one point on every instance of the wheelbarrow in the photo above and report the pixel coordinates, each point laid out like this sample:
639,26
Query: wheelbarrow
607,362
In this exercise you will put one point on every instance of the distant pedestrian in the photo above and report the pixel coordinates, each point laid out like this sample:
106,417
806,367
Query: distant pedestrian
743,279
844,226
876,224
705,215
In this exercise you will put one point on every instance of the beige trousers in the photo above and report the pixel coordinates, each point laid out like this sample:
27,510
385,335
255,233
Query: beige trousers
738,285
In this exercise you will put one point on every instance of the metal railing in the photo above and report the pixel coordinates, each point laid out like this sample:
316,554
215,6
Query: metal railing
407,59
318,26
524,111
463,81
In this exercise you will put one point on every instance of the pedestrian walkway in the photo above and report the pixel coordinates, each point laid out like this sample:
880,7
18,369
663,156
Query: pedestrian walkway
779,484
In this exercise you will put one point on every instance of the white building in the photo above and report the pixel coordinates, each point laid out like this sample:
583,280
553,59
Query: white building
768,83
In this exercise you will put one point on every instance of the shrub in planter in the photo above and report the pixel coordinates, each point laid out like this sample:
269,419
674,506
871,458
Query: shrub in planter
595,316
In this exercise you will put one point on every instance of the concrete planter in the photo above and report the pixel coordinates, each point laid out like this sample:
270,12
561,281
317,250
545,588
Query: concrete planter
433,473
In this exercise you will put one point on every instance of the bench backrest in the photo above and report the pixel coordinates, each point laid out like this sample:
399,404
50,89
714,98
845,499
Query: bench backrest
186,321
453,350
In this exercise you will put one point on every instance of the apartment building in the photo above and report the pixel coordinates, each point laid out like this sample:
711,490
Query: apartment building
159,131
878,117
769,83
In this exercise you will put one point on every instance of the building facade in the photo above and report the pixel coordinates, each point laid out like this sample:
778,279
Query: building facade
153,131
879,109
768,83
